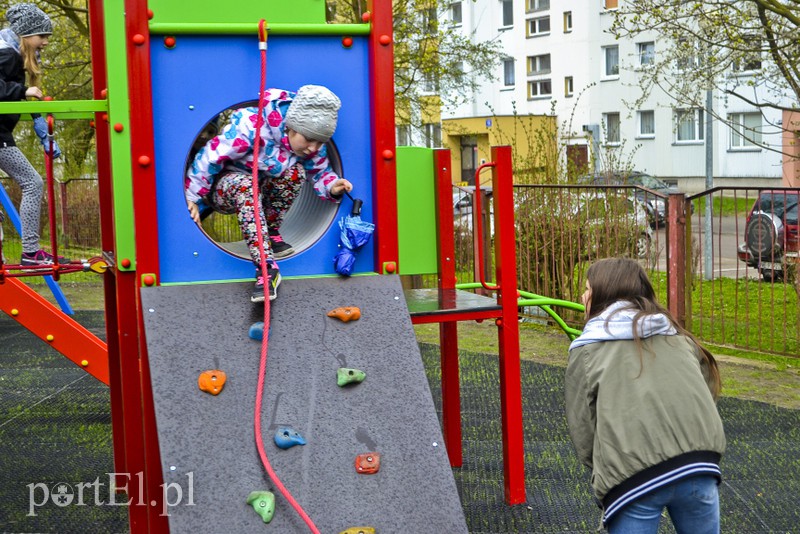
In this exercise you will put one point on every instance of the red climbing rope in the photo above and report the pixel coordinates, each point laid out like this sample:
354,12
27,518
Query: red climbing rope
262,45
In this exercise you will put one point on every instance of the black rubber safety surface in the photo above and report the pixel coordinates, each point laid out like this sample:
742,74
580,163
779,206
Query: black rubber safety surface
55,429
207,442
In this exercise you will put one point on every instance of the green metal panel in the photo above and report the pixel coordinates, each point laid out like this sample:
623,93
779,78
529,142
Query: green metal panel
245,28
61,109
119,113
416,210
236,11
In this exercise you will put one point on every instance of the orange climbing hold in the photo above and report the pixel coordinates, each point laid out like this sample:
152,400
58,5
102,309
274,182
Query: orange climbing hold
346,313
368,463
212,381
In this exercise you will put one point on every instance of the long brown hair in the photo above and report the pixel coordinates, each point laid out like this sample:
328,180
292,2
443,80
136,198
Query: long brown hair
31,62
615,279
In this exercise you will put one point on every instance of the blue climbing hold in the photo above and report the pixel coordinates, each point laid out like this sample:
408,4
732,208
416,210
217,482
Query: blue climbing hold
287,437
257,331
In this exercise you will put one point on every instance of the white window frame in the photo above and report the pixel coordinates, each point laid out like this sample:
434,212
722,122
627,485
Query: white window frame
567,21
643,117
456,13
569,86
613,123
697,118
744,136
403,135
540,89
533,27
533,6
432,134
693,61
508,68
430,84
646,52
539,65
744,65
610,71
506,11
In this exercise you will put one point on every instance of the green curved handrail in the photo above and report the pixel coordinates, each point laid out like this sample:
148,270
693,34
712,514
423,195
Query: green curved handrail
545,303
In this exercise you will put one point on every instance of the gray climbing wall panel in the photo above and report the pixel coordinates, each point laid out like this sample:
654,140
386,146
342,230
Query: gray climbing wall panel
207,442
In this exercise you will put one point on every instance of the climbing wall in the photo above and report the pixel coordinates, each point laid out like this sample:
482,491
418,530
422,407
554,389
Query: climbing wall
208,454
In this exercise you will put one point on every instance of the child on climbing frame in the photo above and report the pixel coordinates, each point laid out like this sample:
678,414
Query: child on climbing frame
295,129
20,45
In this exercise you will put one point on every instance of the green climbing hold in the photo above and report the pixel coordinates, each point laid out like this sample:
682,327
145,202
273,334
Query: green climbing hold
346,376
263,502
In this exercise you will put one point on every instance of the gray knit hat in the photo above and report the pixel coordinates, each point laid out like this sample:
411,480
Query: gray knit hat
314,112
27,19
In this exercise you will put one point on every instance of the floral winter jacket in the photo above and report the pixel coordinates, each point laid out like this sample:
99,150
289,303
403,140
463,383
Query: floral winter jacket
232,149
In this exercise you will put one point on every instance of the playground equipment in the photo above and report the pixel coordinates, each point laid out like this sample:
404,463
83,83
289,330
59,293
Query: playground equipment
160,77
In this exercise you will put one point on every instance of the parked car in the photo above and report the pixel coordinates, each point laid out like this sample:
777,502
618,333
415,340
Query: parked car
613,211
771,233
655,205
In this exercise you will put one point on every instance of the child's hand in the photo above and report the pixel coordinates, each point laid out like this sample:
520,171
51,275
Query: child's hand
194,211
340,186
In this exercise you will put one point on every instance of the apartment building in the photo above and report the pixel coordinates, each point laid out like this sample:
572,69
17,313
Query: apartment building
560,60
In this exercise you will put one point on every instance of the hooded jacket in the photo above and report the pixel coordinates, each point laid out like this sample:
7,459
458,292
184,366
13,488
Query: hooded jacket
640,417
233,149
12,83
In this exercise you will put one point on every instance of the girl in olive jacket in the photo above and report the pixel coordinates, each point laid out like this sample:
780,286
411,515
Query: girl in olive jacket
640,396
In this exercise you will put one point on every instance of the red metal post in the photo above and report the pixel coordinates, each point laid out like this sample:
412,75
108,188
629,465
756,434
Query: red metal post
448,330
508,327
676,257
146,226
384,152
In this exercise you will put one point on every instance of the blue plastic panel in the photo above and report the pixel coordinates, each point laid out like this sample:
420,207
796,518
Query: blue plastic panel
204,75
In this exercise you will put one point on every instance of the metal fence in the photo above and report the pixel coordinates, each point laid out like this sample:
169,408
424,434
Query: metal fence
731,298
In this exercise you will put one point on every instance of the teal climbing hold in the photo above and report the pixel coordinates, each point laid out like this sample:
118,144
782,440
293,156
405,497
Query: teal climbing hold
263,502
345,376
286,437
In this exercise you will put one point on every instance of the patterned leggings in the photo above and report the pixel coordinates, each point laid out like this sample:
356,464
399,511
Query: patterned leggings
233,193
14,163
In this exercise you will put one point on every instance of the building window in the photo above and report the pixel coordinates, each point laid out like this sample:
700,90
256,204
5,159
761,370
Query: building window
538,65
611,121
646,53
745,130
508,71
540,26
455,13
458,72
611,4
568,86
536,5
749,58
433,135
689,125
687,55
402,136
540,89
429,20
611,57
647,123
430,82
567,21
508,12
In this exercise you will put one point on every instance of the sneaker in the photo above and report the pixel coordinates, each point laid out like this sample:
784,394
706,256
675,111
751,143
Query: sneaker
40,257
274,279
280,248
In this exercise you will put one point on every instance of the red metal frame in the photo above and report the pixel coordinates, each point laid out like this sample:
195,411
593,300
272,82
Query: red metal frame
384,196
505,318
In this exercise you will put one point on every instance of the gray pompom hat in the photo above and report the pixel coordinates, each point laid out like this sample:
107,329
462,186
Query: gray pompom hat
27,19
314,112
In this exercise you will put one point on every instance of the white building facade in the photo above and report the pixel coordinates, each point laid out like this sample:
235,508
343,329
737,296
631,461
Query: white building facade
561,59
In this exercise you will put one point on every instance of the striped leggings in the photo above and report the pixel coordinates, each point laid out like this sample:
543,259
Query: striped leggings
14,163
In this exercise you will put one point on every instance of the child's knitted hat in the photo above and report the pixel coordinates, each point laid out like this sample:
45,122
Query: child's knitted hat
27,19
314,112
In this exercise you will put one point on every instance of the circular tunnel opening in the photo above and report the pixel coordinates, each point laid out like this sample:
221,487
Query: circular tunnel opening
304,224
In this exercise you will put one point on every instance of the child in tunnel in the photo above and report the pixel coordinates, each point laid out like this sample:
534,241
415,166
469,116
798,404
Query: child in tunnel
294,130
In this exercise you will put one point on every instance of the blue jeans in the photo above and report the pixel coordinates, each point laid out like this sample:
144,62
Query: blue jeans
693,505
